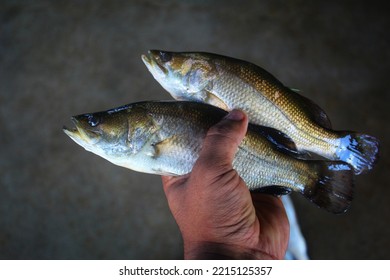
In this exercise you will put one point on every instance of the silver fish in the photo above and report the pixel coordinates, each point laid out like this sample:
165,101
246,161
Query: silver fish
165,138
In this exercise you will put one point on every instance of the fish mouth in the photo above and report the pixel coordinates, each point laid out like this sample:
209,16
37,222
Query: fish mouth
80,135
146,59
74,133
153,64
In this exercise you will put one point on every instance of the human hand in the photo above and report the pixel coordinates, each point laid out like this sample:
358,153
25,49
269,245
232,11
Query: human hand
217,215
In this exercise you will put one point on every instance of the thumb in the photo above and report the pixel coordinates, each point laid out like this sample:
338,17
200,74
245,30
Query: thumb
222,140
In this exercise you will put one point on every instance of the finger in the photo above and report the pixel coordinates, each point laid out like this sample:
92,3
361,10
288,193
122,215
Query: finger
274,224
222,140
166,181
168,185
267,202
270,211
172,182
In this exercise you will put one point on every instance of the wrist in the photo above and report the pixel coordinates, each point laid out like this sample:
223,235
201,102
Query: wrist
219,251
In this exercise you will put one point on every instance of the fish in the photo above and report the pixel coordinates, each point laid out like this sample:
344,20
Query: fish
231,83
165,138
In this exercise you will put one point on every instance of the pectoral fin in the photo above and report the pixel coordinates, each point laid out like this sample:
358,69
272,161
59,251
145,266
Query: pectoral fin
212,99
166,147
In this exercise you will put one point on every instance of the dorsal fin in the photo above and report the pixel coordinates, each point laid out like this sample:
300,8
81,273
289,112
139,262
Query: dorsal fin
316,113
295,90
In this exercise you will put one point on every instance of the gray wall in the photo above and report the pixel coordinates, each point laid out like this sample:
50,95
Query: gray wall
61,58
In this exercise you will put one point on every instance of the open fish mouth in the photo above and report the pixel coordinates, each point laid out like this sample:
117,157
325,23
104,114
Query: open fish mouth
147,58
74,132
153,64
82,135
71,132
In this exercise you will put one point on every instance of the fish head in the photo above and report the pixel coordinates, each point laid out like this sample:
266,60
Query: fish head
116,135
184,75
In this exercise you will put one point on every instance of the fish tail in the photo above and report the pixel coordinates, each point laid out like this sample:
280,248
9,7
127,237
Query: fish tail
359,150
332,188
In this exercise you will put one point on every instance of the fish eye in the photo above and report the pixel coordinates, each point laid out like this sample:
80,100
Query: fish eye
165,56
93,120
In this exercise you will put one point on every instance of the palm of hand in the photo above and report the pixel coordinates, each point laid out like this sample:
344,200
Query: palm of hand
227,214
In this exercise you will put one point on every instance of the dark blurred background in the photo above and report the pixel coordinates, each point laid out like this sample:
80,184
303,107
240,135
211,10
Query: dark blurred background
61,58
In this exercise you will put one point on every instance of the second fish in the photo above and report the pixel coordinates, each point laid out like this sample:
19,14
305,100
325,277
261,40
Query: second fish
231,83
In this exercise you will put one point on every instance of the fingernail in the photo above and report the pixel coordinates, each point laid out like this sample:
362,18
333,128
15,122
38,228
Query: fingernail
235,115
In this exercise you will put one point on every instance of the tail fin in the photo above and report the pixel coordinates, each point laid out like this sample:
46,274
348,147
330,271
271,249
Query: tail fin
359,150
333,187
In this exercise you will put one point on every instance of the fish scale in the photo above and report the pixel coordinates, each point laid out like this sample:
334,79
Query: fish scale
272,174
292,121
231,84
